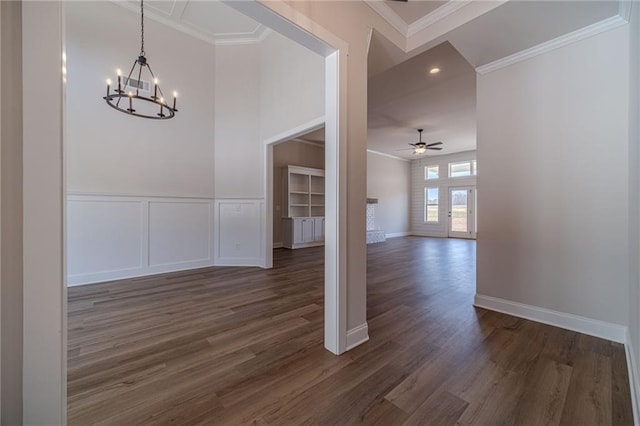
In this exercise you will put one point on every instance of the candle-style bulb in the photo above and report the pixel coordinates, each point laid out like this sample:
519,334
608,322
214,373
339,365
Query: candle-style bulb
175,96
119,72
108,86
155,88
119,80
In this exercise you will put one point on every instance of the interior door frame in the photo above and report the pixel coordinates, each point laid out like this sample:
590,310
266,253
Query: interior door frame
471,212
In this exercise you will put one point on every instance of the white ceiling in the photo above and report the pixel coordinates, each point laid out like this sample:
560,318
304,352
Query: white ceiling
211,21
404,97
412,10
519,25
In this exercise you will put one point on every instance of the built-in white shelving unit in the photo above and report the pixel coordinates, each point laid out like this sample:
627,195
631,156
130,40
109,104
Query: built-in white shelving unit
303,217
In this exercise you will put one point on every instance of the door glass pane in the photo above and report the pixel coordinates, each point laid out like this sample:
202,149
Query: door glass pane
459,201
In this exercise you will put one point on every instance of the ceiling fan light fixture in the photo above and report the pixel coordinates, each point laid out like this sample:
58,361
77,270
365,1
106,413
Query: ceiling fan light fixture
420,150
434,70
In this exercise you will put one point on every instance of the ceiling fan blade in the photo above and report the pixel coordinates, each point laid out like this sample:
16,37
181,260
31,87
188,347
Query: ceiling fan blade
404,1
434,148
434,144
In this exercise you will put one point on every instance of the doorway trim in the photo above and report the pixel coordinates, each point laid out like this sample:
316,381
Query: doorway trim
471,212
303,129
44,284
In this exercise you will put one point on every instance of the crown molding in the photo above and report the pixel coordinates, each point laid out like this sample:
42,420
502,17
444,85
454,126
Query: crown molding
440,13
254,37
388,155
624,10
389,15
556,43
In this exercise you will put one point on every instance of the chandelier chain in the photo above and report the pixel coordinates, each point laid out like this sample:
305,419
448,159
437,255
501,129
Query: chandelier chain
142,53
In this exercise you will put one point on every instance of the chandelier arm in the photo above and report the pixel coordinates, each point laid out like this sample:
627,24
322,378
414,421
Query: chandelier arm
126,82
153,76
139,77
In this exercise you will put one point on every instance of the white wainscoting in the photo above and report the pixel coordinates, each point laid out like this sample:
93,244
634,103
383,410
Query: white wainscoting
115,237
240,229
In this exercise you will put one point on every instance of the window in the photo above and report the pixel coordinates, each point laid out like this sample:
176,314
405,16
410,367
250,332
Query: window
460,169
431,205
431,172
475,167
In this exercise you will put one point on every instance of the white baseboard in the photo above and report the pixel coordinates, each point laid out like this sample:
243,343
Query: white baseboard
397,234
632,368
277,245
432,234
357,336
240,261
100,277
601,329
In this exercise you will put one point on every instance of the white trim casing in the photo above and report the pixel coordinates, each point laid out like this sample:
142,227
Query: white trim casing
634,384
388,155
440,13
556,43
397,234
357,336
601,329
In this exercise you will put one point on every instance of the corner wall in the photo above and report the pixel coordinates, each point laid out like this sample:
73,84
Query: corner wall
553,232
389,180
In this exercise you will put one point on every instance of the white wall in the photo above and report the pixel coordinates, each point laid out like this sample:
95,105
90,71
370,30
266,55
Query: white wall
291,78
114,153
389,180
292,153
419,183
634,201
11,214
239,164
44,294
553,181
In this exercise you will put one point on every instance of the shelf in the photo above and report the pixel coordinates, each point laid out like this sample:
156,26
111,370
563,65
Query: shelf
316,193
299,192
299,205
317,205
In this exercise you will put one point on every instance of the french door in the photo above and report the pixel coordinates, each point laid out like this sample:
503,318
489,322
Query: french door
462,212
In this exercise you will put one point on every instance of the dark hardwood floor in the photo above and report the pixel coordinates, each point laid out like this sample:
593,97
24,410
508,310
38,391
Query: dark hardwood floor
244,346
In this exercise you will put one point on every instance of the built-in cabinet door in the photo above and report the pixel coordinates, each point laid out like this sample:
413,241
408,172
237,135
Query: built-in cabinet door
307,230
318,229
297,231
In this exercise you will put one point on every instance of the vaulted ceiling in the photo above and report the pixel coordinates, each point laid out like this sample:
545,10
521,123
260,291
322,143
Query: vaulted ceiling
403,96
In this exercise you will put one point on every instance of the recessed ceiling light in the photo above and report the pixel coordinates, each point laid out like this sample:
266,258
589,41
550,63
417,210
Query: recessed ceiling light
434,70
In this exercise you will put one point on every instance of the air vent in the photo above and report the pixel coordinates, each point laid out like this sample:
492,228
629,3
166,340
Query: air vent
142,85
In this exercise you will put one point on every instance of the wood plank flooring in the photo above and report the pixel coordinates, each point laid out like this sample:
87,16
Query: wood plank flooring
245,346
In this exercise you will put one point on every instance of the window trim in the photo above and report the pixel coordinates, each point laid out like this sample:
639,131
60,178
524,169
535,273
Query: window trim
426,205
426,172
470,162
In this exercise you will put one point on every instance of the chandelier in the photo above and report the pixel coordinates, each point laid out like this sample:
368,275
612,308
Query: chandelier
127,96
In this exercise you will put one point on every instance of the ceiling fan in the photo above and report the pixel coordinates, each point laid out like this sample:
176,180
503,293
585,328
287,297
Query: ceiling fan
422,147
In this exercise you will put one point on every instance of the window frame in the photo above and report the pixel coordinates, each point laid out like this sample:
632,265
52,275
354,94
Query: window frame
453,163
426,172
426,205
